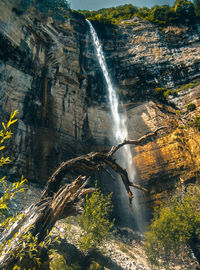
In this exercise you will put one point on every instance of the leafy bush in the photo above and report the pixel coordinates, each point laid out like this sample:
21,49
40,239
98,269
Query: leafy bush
143,12
182,12
95,266
58,262
163,93
111,15
196,122
191,107
190,85
162,15
176,224
95,220
197,7
160,93
9,191
28,243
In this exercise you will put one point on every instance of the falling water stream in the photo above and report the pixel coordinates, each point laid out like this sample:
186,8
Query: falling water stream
120,132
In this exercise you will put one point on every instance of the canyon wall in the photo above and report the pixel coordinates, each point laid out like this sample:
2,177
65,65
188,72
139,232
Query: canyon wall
50,74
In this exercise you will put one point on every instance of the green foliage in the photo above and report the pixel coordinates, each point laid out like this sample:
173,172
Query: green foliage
160,93
190,85
196,122
175,224
5,133
95,266
30,248
163,93
9,191
28,251
95,220
197,7
143,12
191,107
182,12
58,262
111,15
27,247
162,15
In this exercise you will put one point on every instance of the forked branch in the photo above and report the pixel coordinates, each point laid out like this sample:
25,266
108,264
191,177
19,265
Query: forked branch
90,163
134,142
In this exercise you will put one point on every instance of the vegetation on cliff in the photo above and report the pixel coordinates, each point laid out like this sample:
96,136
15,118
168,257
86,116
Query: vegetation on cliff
16,187
183,11
162,93
175,227
197,7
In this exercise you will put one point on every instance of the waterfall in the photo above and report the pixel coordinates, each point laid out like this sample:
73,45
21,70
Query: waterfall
120,132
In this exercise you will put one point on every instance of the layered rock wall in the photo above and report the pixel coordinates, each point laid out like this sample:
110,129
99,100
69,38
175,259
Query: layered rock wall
49,72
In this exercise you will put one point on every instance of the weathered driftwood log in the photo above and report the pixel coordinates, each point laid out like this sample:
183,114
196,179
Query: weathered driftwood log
58,201
87,164
40,218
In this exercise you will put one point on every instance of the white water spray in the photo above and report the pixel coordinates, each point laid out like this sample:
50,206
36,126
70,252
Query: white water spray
120,131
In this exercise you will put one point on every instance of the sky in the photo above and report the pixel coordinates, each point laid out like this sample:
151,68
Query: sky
97,4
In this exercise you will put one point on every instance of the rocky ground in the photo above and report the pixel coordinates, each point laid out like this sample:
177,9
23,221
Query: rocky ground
123,249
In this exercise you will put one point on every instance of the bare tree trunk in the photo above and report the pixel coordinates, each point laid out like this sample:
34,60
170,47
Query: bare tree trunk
57,202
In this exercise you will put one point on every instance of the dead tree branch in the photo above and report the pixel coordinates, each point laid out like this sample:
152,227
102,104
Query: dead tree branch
58,201
134,142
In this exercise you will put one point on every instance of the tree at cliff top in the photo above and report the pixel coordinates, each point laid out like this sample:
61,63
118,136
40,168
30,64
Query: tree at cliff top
58,201
182,12
175,227
197,7
162,15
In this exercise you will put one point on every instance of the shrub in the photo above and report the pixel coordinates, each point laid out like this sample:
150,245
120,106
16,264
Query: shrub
184,10
189,85
162,15
58,262
143,12
95,220
191,107
111,15
197,7
161,94
95,266
196,122
9,191
176,224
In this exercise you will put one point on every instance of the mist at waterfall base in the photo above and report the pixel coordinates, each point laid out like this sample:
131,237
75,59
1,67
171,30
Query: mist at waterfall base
132,216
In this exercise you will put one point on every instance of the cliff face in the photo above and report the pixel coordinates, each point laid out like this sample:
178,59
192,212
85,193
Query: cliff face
142,56
49,72
43,75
